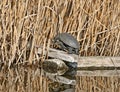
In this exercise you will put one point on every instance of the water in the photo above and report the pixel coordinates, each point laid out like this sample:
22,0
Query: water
31,79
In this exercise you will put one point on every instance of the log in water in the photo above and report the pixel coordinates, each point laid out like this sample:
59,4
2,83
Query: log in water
88,66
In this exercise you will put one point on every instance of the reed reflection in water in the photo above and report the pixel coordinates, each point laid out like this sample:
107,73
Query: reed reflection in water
30,79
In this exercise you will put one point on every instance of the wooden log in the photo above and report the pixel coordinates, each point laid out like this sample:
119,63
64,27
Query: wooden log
92,65
98,73
54,53
98,66
99,63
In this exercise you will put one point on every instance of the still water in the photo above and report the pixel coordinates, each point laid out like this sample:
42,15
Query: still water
32,79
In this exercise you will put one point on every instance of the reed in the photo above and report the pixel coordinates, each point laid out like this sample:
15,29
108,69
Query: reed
26,24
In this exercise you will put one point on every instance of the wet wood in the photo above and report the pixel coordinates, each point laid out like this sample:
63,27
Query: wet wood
92,65
99,63
99,66
98,73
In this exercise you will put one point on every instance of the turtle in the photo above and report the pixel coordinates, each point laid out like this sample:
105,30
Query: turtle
66,41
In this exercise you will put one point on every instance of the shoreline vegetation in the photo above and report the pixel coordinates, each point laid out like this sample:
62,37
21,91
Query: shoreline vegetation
27,24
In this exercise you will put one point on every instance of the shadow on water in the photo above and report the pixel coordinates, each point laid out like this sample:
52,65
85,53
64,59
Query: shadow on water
32,79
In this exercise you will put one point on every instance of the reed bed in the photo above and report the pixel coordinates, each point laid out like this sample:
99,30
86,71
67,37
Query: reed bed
28,24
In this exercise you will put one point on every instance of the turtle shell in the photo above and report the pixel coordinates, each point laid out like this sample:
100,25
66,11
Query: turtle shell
69,40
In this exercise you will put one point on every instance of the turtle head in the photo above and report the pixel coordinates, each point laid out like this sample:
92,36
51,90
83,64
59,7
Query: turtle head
56,41
56,38
77,51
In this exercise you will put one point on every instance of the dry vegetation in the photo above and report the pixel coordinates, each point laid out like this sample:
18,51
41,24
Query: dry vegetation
26,24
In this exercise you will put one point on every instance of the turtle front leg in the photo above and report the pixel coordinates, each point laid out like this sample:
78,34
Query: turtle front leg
77,51
62,46
73,51
70,50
